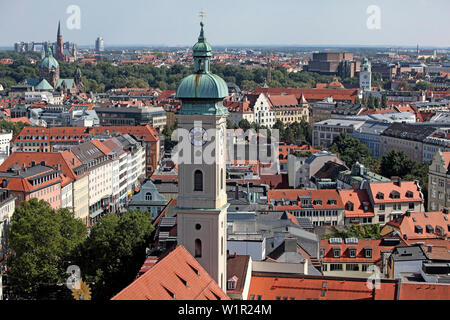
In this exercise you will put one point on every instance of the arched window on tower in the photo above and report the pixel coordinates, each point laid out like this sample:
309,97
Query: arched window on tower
198,180
198,248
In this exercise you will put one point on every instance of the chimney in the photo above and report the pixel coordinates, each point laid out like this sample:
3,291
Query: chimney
397,181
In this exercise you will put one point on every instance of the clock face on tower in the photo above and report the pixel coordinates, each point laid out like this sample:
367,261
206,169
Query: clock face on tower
198,136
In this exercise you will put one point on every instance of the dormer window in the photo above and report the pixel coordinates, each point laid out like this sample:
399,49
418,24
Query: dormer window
231,283
352,252
418,229
350,206
380,195
368,252
395,195
332,201
336,252
409,194
430,229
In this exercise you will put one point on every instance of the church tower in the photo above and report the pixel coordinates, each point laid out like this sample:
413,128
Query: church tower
365,76
49,69
202,198
59,44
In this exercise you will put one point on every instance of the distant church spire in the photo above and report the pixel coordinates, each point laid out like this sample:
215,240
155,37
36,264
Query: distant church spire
59,44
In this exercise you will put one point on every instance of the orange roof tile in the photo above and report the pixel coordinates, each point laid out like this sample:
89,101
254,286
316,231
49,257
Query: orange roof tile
357,197
177,276
424,291
307,288
407,224
388,188
292,194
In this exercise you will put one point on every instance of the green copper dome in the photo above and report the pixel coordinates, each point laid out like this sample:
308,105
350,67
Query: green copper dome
202,84
49,62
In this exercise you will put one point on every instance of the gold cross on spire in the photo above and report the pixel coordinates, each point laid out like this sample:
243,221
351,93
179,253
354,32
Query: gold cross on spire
202,14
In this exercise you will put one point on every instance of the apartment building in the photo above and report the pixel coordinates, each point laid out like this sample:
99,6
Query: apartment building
263,113
392,199
38,181
353,257
322,207
287,109
7,207
439,182
5,144
100,171
325,131
406,137
75,192
39,139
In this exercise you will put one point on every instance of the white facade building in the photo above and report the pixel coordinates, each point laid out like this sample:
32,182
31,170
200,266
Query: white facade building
5,145
263,113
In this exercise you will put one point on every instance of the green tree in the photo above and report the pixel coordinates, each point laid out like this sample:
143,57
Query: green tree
349,149
396,164
423,85
42,241
369,231
114,251
384,101
244,124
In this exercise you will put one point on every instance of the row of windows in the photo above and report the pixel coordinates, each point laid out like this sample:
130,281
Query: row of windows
348,267
318,213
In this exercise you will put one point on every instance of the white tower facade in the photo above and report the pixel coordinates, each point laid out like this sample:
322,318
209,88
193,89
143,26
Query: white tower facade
202,198
365,76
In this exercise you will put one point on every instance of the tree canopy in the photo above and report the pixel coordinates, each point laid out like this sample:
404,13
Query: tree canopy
112,255
349,149
42,241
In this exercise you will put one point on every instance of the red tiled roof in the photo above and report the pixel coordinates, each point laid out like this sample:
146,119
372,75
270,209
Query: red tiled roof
177,276
424,291
146,131
357,197
283,100
312,94
446,156
66,159
293,194
303,287
407,224
21,119
388,187
375,245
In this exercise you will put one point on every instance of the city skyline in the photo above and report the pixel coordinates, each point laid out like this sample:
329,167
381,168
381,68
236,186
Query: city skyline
246,24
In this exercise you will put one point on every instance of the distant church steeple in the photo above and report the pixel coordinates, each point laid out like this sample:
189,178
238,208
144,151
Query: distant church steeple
59,55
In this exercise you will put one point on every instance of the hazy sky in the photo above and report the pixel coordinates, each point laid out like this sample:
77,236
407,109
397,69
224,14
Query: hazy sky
249,22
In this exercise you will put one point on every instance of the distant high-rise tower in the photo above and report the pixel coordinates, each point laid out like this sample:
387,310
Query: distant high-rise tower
99,45
59,45
365,76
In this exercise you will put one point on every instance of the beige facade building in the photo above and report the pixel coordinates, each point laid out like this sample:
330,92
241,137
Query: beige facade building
439,182
392,199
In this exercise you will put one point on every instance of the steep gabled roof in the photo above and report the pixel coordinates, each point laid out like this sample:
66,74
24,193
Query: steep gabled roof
178,276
